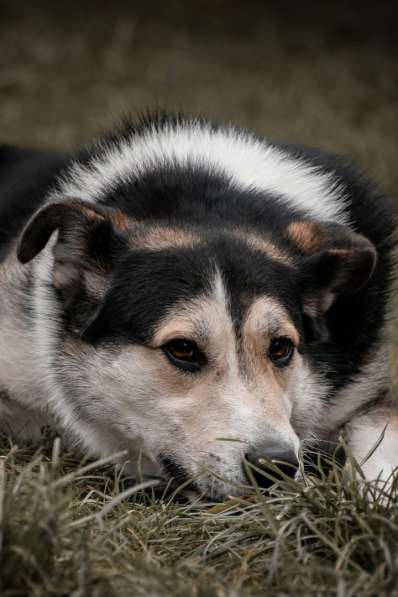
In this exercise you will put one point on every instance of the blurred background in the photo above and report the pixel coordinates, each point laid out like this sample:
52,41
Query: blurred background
321,73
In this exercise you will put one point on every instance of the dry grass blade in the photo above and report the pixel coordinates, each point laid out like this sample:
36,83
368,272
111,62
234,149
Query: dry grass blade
67,528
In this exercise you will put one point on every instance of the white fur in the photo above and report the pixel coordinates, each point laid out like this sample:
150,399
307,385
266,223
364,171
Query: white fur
205,423
247,162
373,440
45,342
21,376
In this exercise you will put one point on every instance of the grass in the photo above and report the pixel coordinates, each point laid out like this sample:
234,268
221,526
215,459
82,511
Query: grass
66,529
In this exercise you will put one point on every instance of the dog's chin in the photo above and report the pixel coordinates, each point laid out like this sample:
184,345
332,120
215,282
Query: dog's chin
204,491
223,491
220,487
206,486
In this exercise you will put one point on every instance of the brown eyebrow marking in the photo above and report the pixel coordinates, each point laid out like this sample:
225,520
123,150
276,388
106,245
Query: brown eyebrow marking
161,237
263,245
267,313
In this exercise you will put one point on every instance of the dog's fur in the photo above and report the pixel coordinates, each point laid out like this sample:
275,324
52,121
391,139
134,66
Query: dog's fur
180,228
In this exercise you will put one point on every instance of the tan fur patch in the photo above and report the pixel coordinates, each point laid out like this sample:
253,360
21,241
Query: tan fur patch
244,373
266,320
200,319
263,245
306,236
119,220
267,316
207,322
160,237
341,252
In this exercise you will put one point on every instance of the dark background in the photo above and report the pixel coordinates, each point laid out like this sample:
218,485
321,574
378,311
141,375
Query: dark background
322,73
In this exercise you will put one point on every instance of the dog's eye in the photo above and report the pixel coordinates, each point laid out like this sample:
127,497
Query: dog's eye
281,351
184,354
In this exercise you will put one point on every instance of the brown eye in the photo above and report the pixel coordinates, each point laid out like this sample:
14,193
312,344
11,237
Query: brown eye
184,354
181,349
281,351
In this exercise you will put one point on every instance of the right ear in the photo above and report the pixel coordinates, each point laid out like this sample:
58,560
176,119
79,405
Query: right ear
90,239
335,261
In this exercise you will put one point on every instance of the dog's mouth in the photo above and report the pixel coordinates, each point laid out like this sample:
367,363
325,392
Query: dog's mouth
262,477
174,471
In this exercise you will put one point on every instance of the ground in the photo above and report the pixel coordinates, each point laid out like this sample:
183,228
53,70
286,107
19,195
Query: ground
324,74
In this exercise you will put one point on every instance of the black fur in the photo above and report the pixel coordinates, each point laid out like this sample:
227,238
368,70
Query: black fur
146,283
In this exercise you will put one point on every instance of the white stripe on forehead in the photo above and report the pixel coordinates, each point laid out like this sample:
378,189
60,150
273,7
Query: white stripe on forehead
246,162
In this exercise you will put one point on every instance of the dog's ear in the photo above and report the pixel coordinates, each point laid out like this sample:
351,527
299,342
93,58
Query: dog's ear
335,261
89,241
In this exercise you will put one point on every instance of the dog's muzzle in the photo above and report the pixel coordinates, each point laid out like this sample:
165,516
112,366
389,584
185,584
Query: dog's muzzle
282,456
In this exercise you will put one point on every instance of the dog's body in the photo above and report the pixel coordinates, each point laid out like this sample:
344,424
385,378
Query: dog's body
190,291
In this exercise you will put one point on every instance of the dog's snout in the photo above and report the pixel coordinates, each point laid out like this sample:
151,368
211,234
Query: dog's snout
283,457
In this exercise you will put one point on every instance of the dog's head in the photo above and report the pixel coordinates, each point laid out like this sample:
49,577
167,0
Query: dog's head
200,347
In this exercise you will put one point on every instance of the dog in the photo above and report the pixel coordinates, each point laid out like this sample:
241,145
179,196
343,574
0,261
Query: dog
184,290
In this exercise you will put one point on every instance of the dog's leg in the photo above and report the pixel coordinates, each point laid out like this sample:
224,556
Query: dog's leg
373,440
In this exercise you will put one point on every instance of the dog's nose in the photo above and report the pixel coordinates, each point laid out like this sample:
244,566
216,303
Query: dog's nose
283,457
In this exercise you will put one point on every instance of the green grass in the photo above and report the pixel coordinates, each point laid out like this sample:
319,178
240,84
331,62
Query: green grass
65,529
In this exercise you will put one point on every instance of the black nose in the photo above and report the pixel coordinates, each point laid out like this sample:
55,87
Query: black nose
284,458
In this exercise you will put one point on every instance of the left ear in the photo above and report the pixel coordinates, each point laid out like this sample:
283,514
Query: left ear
335,261
88,244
